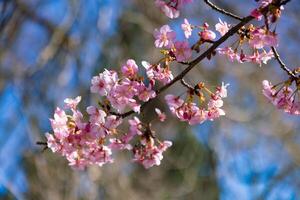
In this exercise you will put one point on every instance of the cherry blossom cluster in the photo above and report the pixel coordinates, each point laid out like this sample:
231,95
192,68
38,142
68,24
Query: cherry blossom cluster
82,143
171,7
126,90
256,38
177,50
192,113
181,51
283,96
91,141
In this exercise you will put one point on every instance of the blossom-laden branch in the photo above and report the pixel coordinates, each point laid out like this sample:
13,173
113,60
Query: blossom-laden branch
91,140
193,63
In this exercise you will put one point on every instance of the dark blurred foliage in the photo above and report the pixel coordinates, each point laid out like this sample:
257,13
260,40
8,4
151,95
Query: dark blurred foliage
50,49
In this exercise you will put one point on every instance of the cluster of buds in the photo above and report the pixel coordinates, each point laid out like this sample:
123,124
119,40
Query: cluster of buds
205,34
192,113
284,95
258,39
181,51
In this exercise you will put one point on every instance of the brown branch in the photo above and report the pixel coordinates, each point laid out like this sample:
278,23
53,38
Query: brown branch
222,11
41,143
282,65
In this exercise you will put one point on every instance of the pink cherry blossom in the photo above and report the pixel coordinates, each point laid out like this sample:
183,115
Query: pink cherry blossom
171,8
52,143
72,103
187,111
130,69
156,72
230,53
256,58
121,95
222,27
187,28
59,124
265,3
222,91
119,144
282,99
103,83
135,126
169,11
259,58
99,154
78,119
183,52
96,116
112,121
199,117
164,37
256,14
268,90
173,102
150,155
261,38
207,35
145,93
295,108
214,108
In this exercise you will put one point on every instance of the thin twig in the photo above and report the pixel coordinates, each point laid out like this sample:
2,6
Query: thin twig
221,10
41,143
281,63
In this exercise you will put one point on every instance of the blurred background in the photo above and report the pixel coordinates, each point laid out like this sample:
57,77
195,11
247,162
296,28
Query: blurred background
50,49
